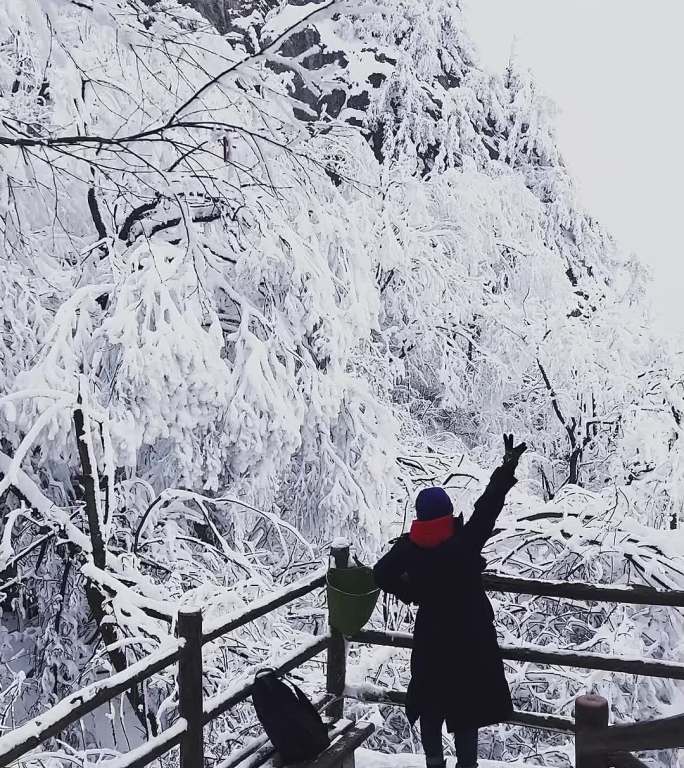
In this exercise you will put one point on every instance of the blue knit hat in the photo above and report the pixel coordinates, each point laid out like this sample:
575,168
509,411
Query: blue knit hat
432,503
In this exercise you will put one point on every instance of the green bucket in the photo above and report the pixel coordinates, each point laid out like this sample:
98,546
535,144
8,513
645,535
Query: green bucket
352,595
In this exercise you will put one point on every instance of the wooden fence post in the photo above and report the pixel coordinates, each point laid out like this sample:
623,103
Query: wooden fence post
190,702
340,553
591,713
336,670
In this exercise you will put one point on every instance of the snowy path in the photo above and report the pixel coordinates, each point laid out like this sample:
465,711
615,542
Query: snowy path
365,758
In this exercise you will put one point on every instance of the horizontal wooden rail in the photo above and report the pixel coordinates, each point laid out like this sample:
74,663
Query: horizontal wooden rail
377,695
541,720
222,702
664,733
265,605
576,590
538,655
75,706
152,749
645,667
261,744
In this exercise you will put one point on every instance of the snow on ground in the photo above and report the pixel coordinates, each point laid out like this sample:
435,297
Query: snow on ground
366,758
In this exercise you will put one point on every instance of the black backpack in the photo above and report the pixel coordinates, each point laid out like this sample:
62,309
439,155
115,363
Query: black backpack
290,720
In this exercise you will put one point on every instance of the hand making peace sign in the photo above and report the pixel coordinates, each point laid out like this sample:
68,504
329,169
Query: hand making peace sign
512,453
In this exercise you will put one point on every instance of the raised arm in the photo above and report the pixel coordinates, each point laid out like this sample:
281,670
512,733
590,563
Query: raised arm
488,507
391,575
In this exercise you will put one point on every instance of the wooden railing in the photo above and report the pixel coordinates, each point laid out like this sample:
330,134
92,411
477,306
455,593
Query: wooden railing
193,712
597,744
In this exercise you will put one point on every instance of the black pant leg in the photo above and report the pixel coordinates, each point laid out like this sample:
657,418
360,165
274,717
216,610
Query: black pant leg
466,748
431,738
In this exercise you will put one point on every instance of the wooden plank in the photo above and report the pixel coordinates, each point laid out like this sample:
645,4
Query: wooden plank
28,736
664,733
271,759
537,655
265,605
222,702
340,748
576,590
260,744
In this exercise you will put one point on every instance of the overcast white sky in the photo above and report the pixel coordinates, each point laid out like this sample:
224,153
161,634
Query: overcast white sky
615,68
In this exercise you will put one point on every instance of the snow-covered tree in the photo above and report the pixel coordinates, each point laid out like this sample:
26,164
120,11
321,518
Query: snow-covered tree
265,270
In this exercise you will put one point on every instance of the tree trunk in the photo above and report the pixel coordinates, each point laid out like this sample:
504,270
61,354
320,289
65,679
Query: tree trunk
96,600
575,457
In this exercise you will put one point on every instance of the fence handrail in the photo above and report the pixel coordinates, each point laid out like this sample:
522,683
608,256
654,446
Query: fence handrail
580,590
72,708
265,605
539,654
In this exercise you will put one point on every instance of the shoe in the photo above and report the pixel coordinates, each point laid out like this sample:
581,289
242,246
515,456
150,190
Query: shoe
433,763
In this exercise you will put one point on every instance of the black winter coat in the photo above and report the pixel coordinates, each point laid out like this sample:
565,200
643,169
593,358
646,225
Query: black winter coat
456,667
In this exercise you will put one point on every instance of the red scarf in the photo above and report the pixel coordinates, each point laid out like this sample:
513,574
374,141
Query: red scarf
432,533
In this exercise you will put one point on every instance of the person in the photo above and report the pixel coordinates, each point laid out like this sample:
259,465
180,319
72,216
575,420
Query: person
457,675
